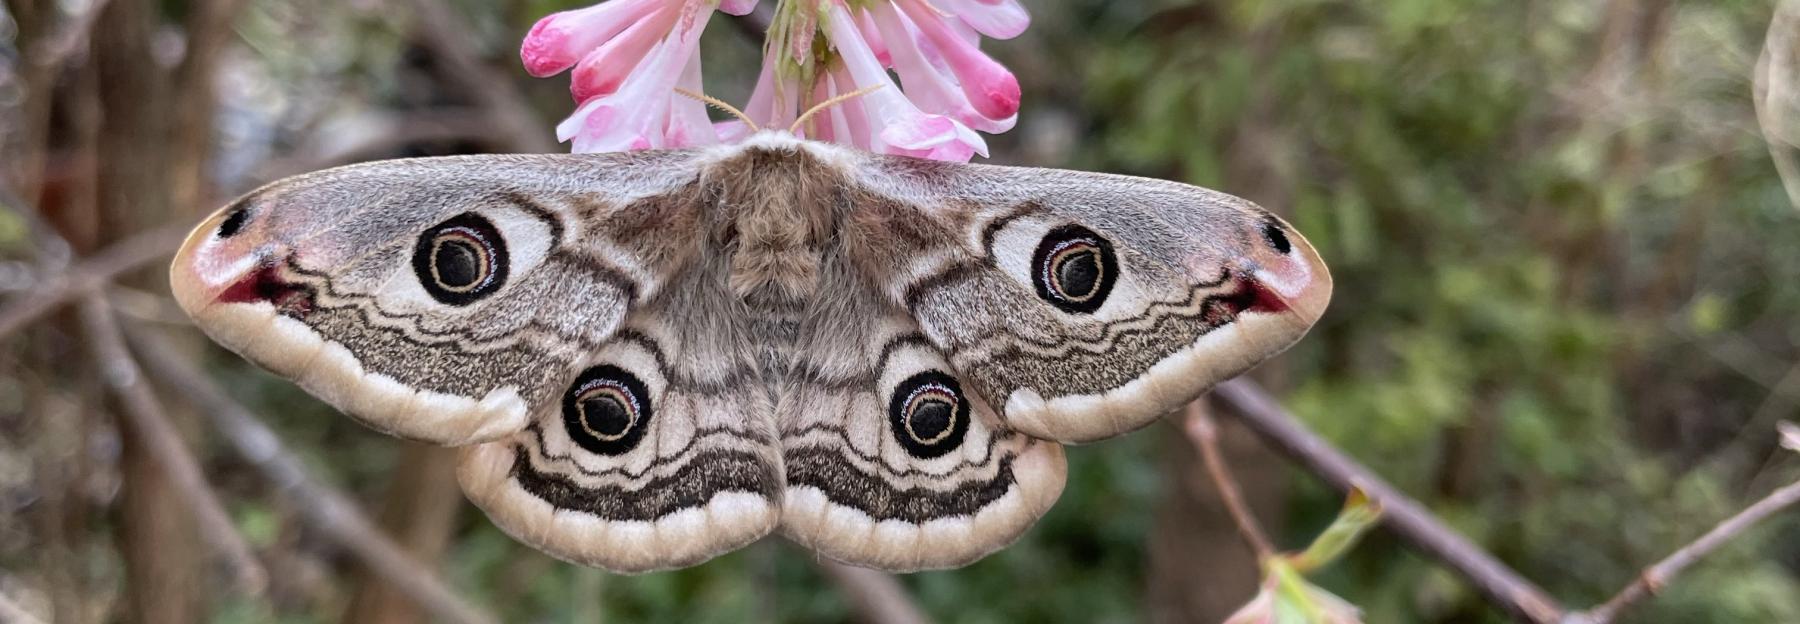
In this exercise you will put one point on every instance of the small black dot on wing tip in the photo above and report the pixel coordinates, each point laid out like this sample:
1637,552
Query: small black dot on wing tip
233,222
1272,234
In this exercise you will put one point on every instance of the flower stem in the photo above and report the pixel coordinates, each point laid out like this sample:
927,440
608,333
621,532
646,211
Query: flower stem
1205,434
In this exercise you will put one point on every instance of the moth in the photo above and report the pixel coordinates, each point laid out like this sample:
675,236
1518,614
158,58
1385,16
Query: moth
648,359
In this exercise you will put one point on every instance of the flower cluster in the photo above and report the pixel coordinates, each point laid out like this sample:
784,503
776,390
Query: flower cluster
629,56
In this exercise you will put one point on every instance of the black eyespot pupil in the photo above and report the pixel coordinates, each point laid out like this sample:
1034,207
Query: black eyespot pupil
1276,238
458,264
233,223
605,415
1079,273
931,418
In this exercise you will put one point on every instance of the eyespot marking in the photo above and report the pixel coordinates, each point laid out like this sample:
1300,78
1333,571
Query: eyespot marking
461,260
606,410
929,414
1074,269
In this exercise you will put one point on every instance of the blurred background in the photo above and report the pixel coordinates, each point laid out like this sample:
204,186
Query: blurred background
1566,312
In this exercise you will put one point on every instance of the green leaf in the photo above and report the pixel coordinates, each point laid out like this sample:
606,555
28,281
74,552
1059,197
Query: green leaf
1360,513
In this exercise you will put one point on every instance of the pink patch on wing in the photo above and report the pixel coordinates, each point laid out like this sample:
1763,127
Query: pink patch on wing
264,283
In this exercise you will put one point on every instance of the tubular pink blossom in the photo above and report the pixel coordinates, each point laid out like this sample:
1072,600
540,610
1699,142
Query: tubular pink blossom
992,90
903,128
601,71
688,124
763,107
818,127
556,42
856,120
1000,19
637,115
628,56
871,33
926,85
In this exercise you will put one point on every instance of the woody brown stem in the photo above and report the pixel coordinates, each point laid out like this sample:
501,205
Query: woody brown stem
1205,434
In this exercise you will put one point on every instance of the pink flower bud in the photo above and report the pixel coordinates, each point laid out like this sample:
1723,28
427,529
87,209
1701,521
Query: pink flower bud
556,42
927,85
992,90
642,113
902,127
601,71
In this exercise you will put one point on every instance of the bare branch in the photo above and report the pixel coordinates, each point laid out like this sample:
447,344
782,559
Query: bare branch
325,509
145,418
1655,577
89,275
1204,433
876,596
1403,515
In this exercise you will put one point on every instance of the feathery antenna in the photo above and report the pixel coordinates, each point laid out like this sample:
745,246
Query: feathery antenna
795,129
721,105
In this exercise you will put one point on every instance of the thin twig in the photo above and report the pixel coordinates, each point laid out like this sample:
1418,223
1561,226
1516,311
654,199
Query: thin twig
89,275
325,509
1204,432
145,419
1401,514
876,596
1655,577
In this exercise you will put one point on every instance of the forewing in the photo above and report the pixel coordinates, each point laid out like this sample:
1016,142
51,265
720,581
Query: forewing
445,299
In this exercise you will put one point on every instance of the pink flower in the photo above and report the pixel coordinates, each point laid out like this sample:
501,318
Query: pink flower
640,109
894,124
628,56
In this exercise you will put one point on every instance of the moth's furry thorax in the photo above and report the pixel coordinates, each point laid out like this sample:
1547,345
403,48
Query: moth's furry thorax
775,208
